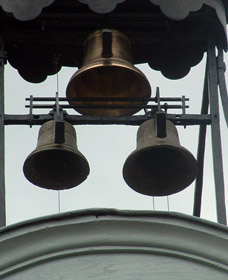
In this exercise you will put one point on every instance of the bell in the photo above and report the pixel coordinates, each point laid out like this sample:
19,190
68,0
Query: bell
108,74
159,166
56,162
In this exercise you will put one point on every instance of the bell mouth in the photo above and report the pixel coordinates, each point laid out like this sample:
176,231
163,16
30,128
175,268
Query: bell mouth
108,80
56,169
160,170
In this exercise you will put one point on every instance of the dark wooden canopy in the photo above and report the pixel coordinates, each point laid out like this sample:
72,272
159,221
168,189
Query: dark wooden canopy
41,36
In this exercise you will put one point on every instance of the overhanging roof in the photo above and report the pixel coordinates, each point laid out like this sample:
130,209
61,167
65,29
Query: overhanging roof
169,35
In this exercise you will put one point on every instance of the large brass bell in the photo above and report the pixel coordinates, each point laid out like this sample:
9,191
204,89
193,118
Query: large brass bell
56,162
108,73
159,166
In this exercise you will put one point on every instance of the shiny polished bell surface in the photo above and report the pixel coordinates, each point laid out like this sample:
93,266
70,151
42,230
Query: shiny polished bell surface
56,162
159,166
108,72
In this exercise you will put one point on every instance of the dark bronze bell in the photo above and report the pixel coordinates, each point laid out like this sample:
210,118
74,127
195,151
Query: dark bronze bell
108,73
159,166
56,162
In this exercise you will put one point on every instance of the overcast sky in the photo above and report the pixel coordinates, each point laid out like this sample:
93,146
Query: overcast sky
106,149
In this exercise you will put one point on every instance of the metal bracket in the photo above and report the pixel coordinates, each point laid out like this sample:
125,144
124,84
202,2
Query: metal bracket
57,112
30,110
160,119
59,135
157,98
107,43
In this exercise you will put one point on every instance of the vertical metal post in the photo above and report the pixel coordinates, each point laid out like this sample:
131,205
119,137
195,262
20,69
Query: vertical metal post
216,134
222,83
201,150
2,140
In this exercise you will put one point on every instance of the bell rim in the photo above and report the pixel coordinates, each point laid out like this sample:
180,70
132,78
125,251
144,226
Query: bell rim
134,187
30,158
114,63
138,74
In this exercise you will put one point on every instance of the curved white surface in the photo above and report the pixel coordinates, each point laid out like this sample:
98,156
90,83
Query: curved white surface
111,244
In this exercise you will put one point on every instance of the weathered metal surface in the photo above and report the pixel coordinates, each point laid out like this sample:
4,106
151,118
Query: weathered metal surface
216,134
100,77
170,46
222,83
56,166
2,142
159,166
110,244
187,119
201,150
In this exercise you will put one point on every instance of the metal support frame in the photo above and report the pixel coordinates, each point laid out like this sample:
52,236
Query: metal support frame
215,133
187,119
222,83
201,150
214,77
2,139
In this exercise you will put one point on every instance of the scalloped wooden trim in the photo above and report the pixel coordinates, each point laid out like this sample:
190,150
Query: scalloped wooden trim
25,9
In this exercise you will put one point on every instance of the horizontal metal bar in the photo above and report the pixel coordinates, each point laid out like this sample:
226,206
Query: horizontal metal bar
92,99
40,106
186,119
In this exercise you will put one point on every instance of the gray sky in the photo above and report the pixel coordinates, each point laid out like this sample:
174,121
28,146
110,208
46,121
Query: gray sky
106,148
